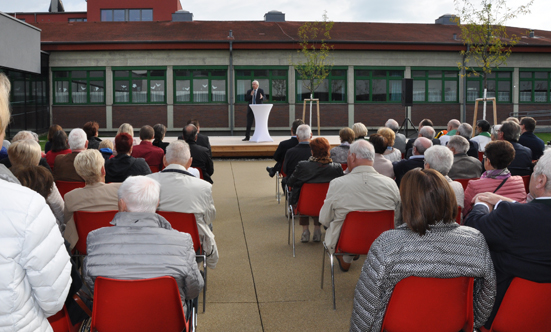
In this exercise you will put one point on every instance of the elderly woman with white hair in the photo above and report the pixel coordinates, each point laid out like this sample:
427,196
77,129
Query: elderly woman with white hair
26,135
440,158
464,166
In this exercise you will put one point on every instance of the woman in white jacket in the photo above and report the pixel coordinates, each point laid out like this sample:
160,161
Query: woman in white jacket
34,264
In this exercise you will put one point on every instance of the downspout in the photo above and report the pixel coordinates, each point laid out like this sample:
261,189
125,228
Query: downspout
464,74
232,106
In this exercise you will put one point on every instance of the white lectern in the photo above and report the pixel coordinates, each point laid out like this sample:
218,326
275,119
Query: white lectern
261,114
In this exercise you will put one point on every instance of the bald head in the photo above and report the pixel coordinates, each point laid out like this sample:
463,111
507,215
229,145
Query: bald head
420,145
453,124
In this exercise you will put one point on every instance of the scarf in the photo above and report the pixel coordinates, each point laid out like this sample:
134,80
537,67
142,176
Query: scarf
485,133
498,174
452,132
324,160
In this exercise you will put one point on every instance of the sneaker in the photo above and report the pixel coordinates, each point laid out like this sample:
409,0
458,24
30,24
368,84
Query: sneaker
270,171
305,236
245,139
317,235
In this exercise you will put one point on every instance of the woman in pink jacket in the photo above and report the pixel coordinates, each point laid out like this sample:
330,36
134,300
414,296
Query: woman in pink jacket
497,178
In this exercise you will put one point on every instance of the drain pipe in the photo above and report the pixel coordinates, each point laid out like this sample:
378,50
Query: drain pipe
464,115
232,106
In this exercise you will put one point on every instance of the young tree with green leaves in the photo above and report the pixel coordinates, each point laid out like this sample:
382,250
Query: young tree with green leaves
316,65
484,32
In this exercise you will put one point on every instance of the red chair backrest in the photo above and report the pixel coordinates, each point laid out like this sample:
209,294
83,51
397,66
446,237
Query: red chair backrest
311,198
526,179
481,156
66,186
154,169
87,221
344,166
60,322
361,228
525,307
137,305
465,182
184,222
458,217
430,305
200,173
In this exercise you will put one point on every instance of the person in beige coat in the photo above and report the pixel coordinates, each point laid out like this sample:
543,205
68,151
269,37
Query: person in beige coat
96,194
363,189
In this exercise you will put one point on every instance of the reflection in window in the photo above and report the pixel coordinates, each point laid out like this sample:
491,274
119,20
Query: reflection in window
378,85
79,86
183,91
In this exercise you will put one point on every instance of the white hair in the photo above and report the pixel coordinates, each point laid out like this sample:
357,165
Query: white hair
88,165
23,135
459,143
303,132
544,167
495,129
140,193
465,130
126,128
363,150
427,132
392,124
439,158
255,81
77,139
418,144
178,152
24,153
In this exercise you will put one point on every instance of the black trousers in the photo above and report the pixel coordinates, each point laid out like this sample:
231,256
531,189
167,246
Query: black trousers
250,119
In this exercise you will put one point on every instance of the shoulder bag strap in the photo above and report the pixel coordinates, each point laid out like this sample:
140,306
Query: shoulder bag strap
501,184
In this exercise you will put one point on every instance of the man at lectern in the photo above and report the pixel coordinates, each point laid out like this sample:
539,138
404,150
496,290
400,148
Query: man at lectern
253,96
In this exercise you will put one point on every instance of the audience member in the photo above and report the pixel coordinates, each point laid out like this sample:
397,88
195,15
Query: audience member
282,148
466,130
427,132
495,130
21,136
106,149
464,167
440,159
483,135
517,234
59,146
360,131
36,268
391,153
340,153
497,178
401,140
160,132
182,192
94,196
319,168
363,189
401,167
528,139
200,155
153,155
51,131
380,163
202,140
522,164
430,245
142,244
299,153
3,152
64,168
453,124
91,128
127,128
123,165
514,119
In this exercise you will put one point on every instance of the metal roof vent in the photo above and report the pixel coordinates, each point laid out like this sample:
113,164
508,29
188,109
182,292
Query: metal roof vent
532,35
56,6
446,19
182,16
274,16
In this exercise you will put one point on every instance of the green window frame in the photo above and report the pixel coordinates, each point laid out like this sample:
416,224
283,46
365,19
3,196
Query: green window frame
200,84
435,85
333,89
534,85
500,78
272,79
378,84
78,86
139,85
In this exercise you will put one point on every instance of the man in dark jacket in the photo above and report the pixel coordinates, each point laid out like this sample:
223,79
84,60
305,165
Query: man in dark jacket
522,164
200,154
202,139
298,153
401,167
253,96
529,140
282,148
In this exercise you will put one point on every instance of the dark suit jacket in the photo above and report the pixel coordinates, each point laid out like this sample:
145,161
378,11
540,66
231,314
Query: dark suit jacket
201,159
409,146
294,156
282,148
203,140
403,166
534,143
64,168
522,164
473,149
259,92
518,238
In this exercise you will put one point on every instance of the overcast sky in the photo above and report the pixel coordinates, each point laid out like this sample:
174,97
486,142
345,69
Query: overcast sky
393,11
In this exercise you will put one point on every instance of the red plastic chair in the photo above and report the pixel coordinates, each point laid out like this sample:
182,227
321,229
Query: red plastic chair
458,217
280,175
87,221
309,204
430,305
359,230
66,186
154,169
526,179
200,173
138,305
186,222
344,166
465,182
481,156
61,322
525,307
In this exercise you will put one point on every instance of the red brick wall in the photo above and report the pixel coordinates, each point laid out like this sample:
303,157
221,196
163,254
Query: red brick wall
502,111
139,116
375,115
77,116
332,115
212,116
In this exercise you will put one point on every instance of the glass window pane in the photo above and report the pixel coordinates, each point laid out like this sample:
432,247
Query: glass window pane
435,91
122,94
279,72
491,91
450,74
121,73
338,72
362,72
264,84
242,87
157,91
219,73
322,91
525,74
61,91
243,72
139,73
157,73
396,73
418,90
78,74
97,92
134,15
540,91
450,91
472,90
362,90
338,92
118,15
379,73
540,74
78,92
504,91
200,73
139,91
379,90
261,72
395,90
107,15
525,91
504,75
218,90
183,92
279,90
61,74
200,90
97,73
435,73
418,73
182,72
491,75
147,14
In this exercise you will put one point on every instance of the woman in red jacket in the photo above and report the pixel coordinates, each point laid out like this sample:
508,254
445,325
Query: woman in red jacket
497,178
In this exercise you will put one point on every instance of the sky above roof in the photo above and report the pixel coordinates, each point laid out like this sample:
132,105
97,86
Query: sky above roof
391,11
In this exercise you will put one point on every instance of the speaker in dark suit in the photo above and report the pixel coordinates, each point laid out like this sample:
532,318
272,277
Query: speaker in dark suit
253,96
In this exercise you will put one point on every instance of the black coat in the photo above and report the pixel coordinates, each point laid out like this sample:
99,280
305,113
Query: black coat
311,172
203,140
403,166
294,156
409,146
283,147
522,164
93,143
534,143
259,92
160,144
120,167
201,159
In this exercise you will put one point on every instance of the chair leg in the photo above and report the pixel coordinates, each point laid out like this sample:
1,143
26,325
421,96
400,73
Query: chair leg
293,226
277,188
322,265
333,280
289,224
205,291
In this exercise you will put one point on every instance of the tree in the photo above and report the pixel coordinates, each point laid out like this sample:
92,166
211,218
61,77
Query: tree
484,32
316,66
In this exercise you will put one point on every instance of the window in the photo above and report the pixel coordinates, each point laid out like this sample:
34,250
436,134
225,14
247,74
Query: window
79,85
435,85
200,85
122,15
139,86
378,84
77,20
332,89
497,80
534,86
273,80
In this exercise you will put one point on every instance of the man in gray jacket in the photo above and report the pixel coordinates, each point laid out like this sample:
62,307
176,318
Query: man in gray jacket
142,244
